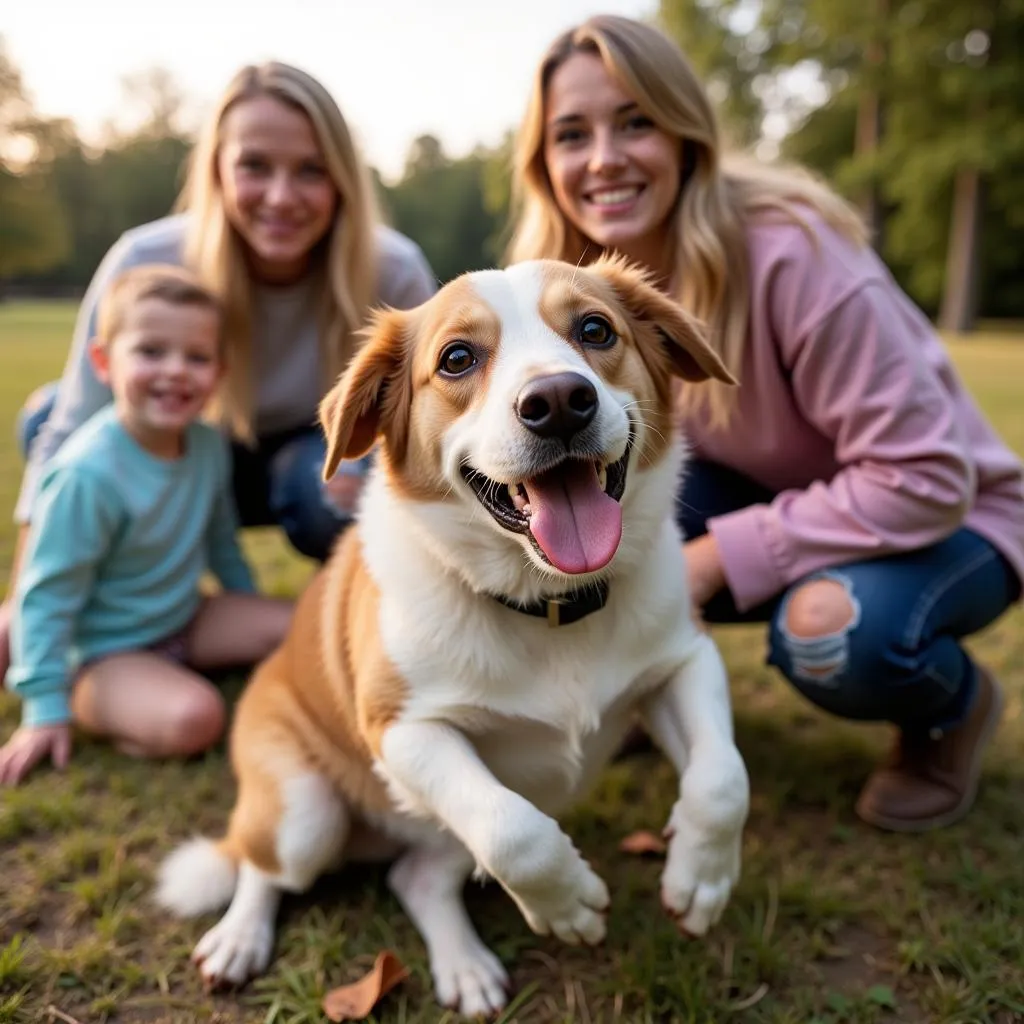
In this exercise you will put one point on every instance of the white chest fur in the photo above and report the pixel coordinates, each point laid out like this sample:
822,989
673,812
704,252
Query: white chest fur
545,707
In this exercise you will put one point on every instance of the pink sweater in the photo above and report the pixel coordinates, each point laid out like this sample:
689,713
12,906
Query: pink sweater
850,409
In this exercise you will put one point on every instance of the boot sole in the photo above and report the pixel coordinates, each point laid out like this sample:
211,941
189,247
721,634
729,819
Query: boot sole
995,713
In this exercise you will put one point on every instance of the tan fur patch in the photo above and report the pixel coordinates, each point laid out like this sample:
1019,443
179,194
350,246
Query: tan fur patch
634,365
373,395
689,354
436,400
305,708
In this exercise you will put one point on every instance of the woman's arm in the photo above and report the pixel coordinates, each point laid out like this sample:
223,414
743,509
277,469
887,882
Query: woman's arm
406,278
865,376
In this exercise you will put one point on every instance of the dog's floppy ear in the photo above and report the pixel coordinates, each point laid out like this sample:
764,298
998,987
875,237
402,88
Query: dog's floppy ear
372,396
681,335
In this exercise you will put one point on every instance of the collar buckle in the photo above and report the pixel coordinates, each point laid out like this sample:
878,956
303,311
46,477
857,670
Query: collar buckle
565,609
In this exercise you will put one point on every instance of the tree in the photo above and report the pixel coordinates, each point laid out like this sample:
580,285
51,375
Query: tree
158,102
444,205
426,154
729,54
930,94
33,232
132,178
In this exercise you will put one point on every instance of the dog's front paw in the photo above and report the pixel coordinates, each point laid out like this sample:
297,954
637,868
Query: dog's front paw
233,951
468,977
568,899
700,872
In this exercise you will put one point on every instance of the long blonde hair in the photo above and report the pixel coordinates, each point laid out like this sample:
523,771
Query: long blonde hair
347,262
718,193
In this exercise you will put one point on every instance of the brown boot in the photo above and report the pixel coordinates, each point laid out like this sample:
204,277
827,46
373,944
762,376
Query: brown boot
932,777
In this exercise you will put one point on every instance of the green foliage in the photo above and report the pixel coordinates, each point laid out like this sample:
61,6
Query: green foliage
133,179
731,62
949,75
448,206
33,232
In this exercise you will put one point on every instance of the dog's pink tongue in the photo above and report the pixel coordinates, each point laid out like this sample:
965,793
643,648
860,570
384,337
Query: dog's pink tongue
575,523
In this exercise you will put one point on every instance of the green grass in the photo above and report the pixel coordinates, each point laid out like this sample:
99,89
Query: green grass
832,922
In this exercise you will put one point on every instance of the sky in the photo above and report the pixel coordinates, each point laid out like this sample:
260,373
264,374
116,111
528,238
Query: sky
457,69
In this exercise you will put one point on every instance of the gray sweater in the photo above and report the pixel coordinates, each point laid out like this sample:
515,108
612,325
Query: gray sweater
285,351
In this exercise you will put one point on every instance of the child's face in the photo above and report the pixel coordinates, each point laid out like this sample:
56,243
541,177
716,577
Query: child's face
162,366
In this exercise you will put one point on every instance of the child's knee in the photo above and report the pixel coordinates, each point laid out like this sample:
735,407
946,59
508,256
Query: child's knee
274,620
194,724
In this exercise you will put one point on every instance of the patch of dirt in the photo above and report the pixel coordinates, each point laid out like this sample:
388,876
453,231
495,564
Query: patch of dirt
858,961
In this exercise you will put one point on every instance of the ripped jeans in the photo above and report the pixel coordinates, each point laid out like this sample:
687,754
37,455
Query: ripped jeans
899,659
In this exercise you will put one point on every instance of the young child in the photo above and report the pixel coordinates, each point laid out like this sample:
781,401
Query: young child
110,628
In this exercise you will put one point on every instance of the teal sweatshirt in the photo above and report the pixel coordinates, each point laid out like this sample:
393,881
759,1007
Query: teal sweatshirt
118,543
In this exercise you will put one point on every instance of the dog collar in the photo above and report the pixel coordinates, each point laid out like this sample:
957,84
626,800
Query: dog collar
562,611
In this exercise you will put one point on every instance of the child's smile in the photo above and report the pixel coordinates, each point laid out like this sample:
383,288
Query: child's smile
163,367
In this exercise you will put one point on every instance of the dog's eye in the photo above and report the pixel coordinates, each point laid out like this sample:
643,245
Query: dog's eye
596,332
456,359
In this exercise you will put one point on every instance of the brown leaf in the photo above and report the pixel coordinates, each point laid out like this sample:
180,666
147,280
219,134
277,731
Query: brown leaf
642,842
355,1001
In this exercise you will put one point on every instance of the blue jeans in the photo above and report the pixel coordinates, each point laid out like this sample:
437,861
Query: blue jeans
278,483
900,658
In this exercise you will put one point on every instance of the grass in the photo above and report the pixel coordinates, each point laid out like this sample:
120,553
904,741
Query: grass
833,923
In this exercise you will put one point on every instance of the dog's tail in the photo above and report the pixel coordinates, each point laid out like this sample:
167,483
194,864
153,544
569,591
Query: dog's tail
199,876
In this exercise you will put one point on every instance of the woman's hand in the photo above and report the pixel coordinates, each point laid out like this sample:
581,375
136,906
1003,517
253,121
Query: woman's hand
343,490
704,569
28,746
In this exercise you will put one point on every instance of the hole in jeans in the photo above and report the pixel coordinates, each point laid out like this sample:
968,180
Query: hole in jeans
816,622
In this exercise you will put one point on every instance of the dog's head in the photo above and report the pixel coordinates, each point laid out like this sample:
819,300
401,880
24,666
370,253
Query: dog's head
536,393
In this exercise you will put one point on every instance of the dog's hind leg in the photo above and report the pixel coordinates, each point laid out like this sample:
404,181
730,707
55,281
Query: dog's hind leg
284,833
428,882
690,718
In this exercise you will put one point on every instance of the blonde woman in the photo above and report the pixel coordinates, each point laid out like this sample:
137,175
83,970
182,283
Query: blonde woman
278,219
849,492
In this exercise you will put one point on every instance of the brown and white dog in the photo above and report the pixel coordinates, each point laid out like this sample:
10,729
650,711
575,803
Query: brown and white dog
476,648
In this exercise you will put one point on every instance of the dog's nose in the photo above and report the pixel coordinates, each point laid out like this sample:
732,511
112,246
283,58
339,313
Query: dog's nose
560,405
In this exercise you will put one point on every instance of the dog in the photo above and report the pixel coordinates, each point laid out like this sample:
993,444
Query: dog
478,645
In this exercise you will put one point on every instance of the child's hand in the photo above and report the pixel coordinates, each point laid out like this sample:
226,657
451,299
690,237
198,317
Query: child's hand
28,746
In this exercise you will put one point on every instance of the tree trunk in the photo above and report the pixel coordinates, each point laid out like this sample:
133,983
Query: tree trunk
960,294
869,134
869,118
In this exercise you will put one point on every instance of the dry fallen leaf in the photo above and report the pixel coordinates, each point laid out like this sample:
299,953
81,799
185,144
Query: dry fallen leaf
642,842
355,1001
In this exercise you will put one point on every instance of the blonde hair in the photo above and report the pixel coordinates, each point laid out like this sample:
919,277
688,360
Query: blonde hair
718,192
174,285
347,255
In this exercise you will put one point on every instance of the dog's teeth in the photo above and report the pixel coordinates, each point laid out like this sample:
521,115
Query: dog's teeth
513,490
527,511
602,477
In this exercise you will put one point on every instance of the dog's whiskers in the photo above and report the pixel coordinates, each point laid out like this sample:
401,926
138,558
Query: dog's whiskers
647,427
